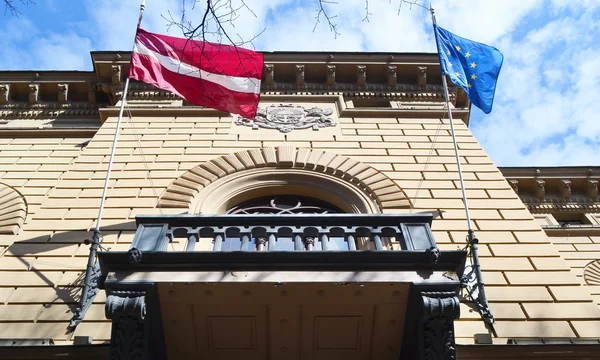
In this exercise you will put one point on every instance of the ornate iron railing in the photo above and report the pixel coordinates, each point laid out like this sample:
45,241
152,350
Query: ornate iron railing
329,232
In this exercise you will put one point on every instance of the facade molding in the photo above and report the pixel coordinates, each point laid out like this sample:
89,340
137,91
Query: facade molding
344,110
190,189
13,210
556,189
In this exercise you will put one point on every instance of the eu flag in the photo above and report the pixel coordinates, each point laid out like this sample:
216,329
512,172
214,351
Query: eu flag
471,65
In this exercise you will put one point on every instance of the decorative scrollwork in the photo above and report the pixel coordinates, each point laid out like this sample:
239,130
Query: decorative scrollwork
438,339
90,290
284,204
286,118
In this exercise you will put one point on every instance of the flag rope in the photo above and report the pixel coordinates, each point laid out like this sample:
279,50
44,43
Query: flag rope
141,151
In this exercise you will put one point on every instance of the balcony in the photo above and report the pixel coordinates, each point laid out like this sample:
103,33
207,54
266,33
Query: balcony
282,286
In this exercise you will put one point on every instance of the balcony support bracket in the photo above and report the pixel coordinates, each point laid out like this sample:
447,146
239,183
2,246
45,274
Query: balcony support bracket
127,310
429,333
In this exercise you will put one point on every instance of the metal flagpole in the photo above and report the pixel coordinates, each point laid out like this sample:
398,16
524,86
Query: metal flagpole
90,286
472,242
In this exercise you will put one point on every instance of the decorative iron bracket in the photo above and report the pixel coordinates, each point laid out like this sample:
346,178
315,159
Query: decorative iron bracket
89,292
472,281
90,282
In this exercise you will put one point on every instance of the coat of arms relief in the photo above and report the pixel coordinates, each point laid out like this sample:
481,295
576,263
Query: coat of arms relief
288,117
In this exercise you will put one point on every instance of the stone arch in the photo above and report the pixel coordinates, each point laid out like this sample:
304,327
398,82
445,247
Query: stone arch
591,273
13,210
355,180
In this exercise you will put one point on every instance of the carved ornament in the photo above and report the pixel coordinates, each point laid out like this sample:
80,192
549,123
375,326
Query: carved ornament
127,310
540,189
330,75
92,95
116,74
440,309
4,93
515,185
392,74
361,79
63,92
130,304
286,118
270,74
565,189
300,75
422,76
591,188
34,90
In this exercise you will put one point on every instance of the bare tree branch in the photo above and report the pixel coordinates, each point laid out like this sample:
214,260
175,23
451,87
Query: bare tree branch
11,8
323,5
321,10
367,13
411,3
218,19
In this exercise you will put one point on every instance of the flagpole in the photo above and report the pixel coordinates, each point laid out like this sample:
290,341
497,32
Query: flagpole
472,242
90,287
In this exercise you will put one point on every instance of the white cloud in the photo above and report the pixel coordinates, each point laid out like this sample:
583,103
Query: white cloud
24,46
548,95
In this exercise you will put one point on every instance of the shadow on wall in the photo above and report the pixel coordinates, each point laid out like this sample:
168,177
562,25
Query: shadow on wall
47,272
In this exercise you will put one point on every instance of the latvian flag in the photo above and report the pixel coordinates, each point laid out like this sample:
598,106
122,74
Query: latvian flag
213,75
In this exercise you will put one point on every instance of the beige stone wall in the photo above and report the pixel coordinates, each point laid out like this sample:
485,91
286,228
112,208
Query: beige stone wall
532,291
579,251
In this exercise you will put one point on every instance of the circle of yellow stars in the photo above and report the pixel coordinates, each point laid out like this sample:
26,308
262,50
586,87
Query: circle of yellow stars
473,65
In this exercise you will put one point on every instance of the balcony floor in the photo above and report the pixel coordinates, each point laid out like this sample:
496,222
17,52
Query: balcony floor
253,320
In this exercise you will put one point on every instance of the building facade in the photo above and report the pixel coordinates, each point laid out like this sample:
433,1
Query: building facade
343,194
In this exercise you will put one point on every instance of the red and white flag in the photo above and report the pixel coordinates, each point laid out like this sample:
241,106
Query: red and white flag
213,75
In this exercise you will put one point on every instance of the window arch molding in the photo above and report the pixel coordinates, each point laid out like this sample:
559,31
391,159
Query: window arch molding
248,174
13,210
237,188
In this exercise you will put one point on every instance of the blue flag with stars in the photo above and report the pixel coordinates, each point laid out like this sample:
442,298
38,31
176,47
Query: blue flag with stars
471,65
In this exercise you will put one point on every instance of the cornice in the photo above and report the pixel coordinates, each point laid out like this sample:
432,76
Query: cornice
47,76
49,132
585,230
47,113
550,172
332,57
411,78
344,111
589,207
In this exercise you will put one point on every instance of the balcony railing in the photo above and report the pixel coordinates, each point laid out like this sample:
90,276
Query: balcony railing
331,232
283,242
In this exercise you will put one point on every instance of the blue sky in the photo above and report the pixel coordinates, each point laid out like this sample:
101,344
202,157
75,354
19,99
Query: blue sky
547,107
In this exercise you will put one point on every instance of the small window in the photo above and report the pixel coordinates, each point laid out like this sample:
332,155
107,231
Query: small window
572,219
371,103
